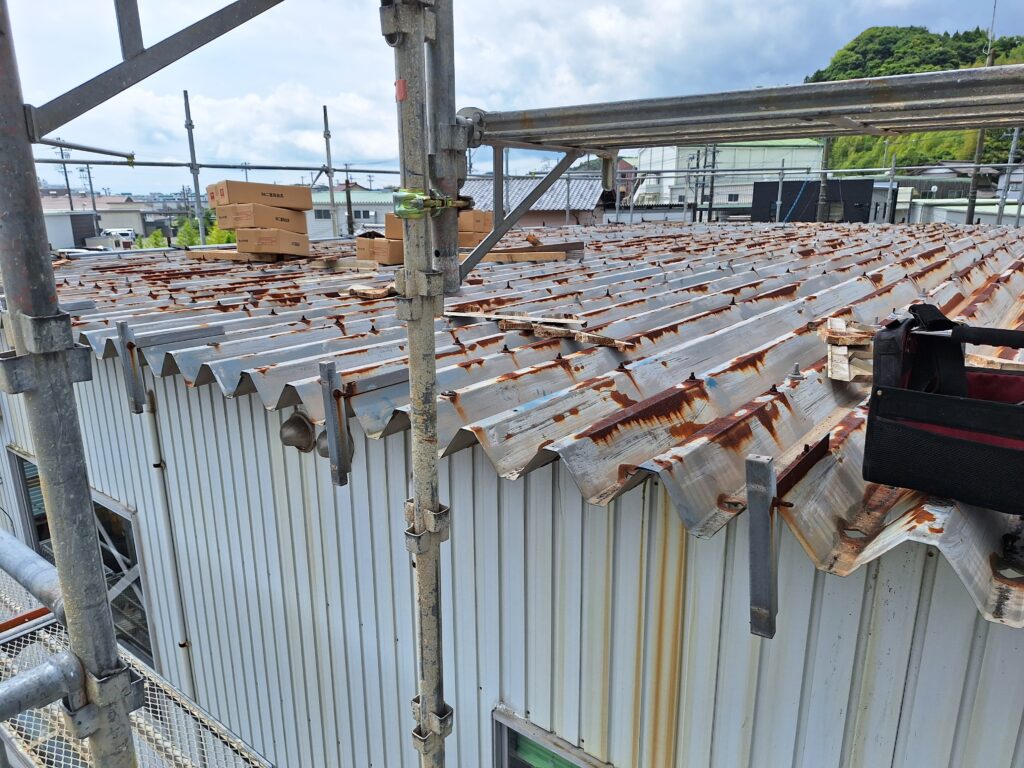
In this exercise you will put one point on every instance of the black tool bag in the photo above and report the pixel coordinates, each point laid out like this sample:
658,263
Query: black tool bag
940,427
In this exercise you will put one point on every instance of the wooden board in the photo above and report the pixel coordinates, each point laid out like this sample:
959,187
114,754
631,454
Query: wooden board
225,255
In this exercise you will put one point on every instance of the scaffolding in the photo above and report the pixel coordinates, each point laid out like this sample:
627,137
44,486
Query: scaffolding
99,690
969,99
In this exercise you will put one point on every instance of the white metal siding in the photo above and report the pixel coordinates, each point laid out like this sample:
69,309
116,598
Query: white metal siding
607,626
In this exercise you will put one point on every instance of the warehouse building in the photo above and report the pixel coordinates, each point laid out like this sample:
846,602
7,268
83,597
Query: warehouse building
595,584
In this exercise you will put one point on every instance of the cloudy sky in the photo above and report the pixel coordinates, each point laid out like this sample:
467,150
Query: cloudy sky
257,92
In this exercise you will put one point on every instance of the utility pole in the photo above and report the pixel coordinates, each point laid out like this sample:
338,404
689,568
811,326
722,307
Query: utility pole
349,218
568,199
87,172
979,149
43,342
194,168
369,180
822,213
421,300
1009,174
893,196
329,171
64,154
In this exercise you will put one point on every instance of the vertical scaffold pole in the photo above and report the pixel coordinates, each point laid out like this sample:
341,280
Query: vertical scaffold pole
1009,174
421,300
778,194
194,168
329,172
42,336
447,142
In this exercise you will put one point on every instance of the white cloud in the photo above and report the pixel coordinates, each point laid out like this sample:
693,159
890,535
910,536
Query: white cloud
257,92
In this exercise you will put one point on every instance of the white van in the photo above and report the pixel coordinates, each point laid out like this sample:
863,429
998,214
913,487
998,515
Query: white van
126,236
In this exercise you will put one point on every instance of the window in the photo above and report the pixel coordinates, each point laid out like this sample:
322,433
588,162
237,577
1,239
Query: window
519,743
119,553
357,214
321,213
705,198
734,197
363,215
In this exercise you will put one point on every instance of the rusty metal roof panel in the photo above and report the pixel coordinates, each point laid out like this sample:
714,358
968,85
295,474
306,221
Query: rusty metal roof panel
710,351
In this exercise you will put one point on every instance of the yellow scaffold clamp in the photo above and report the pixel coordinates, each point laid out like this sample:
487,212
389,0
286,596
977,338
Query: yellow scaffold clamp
418,203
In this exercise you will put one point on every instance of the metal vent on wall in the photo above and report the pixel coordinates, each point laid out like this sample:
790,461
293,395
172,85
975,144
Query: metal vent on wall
169,729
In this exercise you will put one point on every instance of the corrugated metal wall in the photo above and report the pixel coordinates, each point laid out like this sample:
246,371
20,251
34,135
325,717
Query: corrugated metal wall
607,626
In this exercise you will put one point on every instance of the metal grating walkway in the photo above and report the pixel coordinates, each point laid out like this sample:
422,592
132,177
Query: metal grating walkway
169,729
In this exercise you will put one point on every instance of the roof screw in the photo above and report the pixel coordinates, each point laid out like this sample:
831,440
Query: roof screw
796,375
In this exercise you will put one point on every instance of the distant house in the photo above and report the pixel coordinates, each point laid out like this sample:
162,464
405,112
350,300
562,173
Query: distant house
368,209
581,196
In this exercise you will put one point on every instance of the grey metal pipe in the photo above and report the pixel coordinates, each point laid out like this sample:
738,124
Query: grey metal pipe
447,166
778,194
33,572
568,200
822,212
194,168
330,175
893,195
27,274
421,301
979,151
1020,199
498,184
1009,176
53,679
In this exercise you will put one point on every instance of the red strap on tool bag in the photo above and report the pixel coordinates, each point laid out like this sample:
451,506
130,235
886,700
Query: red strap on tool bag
938,426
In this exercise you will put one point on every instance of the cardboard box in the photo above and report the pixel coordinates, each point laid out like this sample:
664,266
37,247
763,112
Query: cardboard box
388,252
364,247
484,222
254,215
467,220
393,229
470,239
211,196
278,241
275,195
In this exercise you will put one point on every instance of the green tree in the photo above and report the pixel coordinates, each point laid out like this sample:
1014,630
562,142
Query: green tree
883,51
155,240
217,236
188,232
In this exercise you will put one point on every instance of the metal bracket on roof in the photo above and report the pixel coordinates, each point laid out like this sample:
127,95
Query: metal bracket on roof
339,444
129,345
765,493
761,499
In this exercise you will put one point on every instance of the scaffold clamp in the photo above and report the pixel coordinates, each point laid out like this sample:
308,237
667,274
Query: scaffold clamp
419,203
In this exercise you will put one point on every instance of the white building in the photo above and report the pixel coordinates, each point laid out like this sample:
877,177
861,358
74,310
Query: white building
677,184
581,620
368,209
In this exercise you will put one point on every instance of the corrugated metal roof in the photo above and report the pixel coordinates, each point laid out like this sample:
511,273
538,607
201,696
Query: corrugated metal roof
715,319
584,193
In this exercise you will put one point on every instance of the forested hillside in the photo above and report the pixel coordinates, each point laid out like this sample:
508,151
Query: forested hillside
882,51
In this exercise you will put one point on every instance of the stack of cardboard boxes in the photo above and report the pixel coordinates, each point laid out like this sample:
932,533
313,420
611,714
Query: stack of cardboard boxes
268,219
388,250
